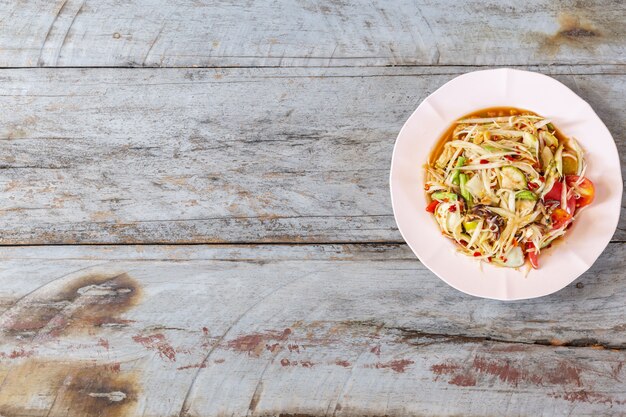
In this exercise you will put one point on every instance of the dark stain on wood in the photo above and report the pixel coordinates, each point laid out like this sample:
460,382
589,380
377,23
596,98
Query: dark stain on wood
82,304
67,389
342,363
256,397
574,31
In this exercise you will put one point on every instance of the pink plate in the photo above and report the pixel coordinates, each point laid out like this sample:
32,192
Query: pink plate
583,243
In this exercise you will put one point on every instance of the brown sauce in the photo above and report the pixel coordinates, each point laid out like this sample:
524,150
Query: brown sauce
488,112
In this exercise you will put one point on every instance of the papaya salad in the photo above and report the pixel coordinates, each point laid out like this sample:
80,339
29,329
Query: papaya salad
504,184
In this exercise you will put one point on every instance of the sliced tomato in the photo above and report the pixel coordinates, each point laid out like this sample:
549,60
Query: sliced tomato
555,195
585,188
555,192
559,218
533,257
432,206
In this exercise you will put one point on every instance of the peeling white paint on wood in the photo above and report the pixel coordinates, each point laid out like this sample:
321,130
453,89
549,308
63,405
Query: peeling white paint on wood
210,156
345,329
111,396
310,33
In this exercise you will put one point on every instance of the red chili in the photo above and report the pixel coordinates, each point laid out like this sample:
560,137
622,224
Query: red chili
426,187
464,243
542,179
484,161
532,186
477,253
489,259
432,206
452,209
509,157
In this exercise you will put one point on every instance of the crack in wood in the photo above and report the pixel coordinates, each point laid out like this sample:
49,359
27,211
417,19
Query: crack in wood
409,335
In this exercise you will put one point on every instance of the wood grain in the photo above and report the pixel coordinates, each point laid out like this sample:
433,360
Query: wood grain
310,33
228,155
293,147
343,329
401,292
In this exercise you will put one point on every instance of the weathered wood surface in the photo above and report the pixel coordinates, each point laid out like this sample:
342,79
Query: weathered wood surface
273,155
321,330
310,33
227,155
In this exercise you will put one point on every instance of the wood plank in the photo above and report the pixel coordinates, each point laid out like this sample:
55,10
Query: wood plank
306,329
209,156
310,33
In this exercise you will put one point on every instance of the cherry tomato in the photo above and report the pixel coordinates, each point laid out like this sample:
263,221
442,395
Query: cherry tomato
559,218
432,206
585,188
533,257
555,194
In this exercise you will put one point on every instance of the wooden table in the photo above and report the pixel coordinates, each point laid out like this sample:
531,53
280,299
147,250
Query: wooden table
196,219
